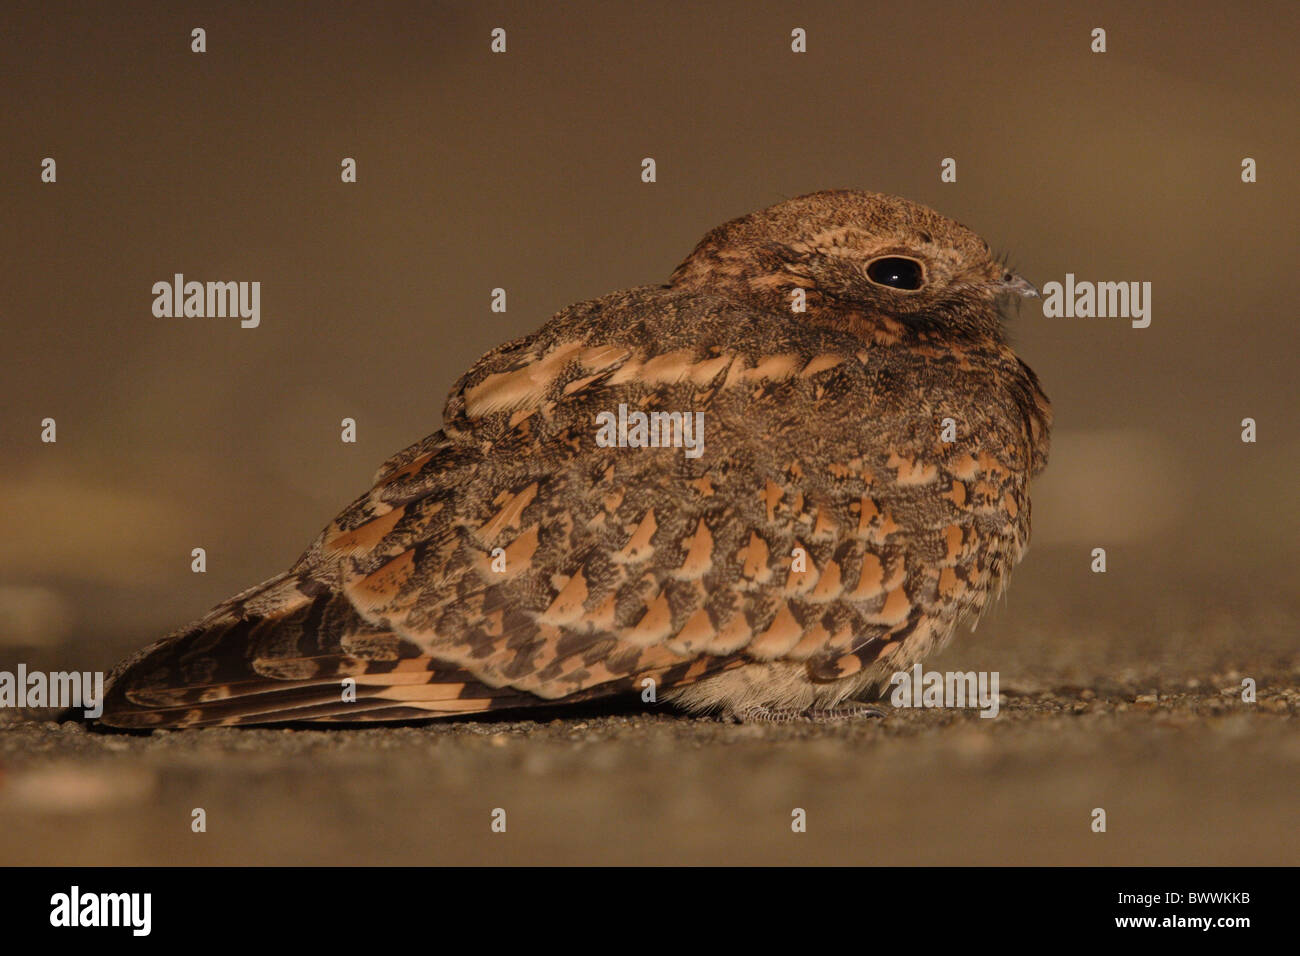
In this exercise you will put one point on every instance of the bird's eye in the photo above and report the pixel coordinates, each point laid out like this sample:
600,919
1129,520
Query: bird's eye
896,272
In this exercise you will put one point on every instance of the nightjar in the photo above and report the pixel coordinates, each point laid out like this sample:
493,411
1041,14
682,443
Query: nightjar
757,490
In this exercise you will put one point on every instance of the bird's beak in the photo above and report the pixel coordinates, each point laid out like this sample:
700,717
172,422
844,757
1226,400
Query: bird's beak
1017,284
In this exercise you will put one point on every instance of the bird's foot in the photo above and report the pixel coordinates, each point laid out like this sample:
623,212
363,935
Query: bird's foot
760,713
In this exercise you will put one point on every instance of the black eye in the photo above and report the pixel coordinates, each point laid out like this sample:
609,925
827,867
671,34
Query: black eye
896,272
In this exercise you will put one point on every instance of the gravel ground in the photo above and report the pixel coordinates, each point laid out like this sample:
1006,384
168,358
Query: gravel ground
1191,777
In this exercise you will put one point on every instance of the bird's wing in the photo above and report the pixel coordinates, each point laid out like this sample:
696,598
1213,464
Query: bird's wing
512,559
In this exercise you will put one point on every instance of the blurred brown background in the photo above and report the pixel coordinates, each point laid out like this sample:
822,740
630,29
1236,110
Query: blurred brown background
522,171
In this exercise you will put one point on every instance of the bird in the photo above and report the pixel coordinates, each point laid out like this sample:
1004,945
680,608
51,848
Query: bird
838,476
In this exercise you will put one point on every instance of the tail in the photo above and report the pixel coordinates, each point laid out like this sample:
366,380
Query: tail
290,650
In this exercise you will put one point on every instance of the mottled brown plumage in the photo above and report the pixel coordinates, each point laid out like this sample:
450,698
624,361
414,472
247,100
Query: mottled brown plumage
510,560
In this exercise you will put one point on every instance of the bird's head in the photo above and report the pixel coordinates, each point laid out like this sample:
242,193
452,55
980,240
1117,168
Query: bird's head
886,268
